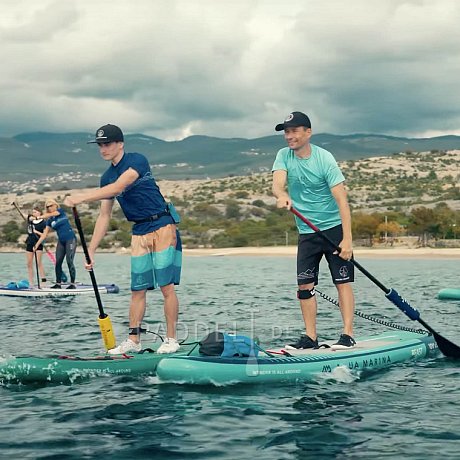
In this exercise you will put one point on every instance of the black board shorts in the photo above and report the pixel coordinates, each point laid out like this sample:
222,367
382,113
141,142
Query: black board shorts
310,250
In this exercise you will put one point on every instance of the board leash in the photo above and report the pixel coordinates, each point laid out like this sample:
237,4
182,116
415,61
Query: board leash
373,318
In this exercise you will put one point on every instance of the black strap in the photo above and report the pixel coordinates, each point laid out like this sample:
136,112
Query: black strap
152,218
136,330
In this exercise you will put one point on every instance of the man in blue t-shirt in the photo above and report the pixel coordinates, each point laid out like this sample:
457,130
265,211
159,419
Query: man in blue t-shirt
156,250
315,188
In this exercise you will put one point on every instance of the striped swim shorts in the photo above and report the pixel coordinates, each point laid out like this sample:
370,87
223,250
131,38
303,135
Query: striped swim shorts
156,258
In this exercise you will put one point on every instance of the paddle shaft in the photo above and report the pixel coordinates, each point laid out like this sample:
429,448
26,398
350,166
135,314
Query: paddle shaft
353,261
36,269
88,261
445,345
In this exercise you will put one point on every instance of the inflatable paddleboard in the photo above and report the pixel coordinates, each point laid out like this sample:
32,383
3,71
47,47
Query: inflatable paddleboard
69,369
449,294
370,353
81,289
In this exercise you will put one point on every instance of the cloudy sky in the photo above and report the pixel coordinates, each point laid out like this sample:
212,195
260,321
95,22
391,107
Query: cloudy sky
230,68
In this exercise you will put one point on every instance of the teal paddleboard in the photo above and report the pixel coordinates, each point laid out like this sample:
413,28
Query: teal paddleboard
370,353
449,294
68,369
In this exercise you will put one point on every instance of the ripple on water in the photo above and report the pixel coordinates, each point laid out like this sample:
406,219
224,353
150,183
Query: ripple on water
406,411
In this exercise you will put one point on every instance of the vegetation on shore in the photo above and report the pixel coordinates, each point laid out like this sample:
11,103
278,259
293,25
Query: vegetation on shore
391,197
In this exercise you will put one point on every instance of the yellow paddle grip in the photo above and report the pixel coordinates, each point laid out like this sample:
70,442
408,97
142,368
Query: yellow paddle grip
108,335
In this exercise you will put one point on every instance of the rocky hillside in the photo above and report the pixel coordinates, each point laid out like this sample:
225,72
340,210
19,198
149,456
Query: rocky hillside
396,182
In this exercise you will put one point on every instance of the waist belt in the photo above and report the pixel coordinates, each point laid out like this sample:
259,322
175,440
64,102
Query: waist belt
152,218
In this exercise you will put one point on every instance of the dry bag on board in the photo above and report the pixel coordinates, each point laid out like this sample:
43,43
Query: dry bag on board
228,345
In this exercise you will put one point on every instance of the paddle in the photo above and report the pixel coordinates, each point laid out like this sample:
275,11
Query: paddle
105,325
446,346
36,269
48,252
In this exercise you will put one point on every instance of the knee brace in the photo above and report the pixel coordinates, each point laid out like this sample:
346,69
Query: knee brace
305,293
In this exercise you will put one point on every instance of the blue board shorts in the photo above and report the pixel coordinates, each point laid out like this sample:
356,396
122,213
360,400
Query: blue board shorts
156,258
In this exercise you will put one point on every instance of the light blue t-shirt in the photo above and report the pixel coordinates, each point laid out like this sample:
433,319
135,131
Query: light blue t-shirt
309,182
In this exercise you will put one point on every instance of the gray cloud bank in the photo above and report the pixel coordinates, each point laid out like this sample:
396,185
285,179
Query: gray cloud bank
230,68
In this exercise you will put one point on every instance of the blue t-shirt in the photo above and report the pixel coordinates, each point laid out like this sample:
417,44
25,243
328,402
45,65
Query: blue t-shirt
309,182
142,198
61,225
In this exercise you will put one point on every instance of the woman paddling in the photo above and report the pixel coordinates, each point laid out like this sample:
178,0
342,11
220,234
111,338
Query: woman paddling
35,228
67,241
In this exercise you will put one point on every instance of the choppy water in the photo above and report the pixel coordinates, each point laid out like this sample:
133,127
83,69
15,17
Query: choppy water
410,411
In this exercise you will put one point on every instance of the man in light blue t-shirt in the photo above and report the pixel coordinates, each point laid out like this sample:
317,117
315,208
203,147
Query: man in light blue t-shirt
307,178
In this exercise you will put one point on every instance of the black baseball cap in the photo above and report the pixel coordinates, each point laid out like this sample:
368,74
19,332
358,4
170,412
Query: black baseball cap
106,134
293,120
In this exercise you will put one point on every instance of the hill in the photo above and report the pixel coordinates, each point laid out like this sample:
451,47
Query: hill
62,161
420,191
399,181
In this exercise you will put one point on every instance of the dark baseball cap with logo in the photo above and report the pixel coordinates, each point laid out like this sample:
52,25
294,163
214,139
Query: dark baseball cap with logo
293,120
106,134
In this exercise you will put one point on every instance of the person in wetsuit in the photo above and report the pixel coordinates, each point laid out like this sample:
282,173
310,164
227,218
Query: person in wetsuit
58,221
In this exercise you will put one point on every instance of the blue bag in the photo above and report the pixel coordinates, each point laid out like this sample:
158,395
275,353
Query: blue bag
228,345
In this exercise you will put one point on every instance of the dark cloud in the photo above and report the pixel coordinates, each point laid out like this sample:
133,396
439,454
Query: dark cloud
231,68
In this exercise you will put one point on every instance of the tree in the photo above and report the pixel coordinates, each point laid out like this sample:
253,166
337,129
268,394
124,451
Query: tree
233,210
389,229
365,225
423,223
11,232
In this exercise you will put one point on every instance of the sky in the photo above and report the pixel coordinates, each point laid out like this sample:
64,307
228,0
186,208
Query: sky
230,68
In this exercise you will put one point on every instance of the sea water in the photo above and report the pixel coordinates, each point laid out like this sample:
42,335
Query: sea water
411,410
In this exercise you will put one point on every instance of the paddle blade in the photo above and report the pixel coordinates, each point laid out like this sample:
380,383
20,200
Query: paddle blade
446,347
108,335
51,256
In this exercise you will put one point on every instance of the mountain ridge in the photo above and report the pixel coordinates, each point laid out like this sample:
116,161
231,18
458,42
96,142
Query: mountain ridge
34,155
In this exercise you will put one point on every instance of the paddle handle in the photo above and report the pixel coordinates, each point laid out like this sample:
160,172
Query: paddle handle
19,211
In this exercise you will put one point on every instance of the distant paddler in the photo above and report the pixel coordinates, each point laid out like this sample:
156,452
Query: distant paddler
35,228
57,220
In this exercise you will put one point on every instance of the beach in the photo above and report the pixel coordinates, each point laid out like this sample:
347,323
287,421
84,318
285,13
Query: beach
376,253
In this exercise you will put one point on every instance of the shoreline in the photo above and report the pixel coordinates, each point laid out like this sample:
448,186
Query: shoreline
283,251
291,251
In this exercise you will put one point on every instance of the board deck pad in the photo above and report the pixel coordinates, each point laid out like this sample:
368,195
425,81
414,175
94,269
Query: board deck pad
367,344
